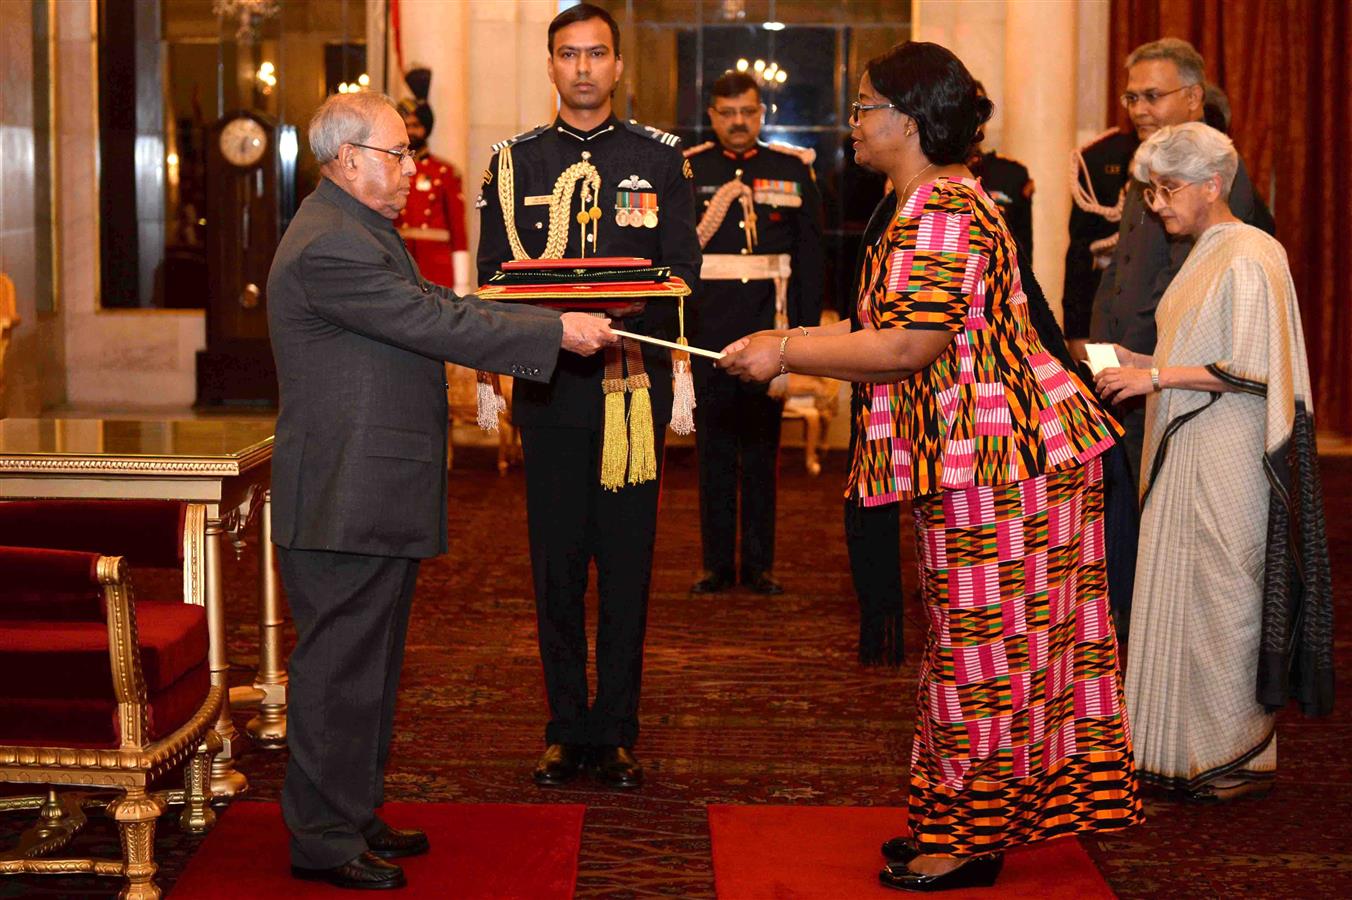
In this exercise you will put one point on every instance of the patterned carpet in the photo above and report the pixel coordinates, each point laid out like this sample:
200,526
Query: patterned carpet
752,700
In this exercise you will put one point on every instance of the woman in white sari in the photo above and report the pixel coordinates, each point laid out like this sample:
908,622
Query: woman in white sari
1224,630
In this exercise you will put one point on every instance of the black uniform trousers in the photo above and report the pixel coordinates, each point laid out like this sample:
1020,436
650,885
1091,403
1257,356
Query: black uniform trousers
351,615
873,541
737,428
1121,511
573,520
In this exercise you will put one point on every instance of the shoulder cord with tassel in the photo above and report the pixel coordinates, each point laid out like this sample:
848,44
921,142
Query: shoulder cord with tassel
491,402
635,451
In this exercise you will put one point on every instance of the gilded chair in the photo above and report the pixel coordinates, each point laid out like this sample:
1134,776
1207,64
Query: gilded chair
9,320
99,691
462,395
813,400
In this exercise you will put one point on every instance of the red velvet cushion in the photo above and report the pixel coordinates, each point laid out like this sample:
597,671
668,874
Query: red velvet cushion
93,723
146,532
56,684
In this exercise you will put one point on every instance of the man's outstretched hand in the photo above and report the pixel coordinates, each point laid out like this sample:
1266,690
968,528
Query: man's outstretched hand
584,333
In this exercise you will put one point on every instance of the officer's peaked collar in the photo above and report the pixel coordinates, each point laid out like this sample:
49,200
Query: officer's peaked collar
567,130
744,155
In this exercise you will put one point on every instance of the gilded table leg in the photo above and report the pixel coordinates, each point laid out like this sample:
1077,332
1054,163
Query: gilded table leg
135,813
225,781
268,728
198,816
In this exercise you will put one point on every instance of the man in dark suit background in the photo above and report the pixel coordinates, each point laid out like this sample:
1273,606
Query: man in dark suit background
359,469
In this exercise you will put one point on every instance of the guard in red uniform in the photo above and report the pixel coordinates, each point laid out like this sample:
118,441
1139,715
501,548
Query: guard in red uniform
433,222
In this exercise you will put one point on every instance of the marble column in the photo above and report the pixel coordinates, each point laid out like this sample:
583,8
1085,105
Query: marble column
1039,117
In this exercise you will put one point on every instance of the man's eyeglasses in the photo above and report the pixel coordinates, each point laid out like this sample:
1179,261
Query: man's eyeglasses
1163,193
399,153
856,108
746,112
1149,98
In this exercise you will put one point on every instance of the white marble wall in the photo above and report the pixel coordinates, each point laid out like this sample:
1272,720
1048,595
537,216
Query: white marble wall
35,350
121,359
1042,62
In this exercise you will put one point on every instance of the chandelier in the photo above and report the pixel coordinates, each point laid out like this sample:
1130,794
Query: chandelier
250,14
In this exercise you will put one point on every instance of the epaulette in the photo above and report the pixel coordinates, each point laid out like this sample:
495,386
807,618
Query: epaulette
698,148
657,134
523,136
806,155
1110,133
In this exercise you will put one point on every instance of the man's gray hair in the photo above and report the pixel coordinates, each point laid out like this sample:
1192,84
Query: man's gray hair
344,119
1190,64
1192,152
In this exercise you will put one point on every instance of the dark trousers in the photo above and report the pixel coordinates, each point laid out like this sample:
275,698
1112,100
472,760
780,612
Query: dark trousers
1121,514
351,616
572,521
873,540
737,439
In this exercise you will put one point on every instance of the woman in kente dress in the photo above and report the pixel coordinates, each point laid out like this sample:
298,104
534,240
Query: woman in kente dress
1021,731
1232,611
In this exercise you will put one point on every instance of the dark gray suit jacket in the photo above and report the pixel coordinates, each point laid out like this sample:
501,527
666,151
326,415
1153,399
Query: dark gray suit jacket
359,337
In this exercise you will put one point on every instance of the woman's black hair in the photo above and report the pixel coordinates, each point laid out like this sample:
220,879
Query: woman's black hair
932,86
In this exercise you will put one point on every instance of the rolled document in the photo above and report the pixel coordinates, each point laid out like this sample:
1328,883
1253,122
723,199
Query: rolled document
672,345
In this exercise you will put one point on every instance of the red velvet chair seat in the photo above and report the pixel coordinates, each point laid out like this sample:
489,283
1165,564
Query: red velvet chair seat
59,685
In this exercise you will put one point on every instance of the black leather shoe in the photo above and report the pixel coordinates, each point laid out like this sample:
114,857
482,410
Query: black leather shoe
363,873
393,843
559,764
977,872
617,767
763,583
900,850
711,583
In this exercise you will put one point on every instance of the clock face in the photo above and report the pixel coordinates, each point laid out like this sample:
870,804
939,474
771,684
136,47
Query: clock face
243,141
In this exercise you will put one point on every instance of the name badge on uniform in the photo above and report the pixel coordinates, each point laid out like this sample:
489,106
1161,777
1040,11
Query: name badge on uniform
772,192
634,206
539,200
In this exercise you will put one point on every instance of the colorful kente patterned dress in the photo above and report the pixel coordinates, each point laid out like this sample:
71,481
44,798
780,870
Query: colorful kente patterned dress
1021,731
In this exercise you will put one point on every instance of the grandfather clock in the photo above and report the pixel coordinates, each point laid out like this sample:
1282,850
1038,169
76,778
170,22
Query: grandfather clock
243,210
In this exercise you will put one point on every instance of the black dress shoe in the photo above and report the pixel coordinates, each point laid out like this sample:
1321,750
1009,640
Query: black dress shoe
763,583
977,872
900,849
617,767
711,583
363,873
559,764
393,843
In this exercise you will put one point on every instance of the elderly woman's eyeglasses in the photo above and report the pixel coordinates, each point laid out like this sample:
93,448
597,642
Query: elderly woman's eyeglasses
1163,193
1149,98
856,108
399,153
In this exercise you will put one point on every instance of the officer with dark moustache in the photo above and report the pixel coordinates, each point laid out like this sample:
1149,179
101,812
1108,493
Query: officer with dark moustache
760,228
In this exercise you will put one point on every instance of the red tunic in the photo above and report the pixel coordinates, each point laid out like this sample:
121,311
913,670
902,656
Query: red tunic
433,222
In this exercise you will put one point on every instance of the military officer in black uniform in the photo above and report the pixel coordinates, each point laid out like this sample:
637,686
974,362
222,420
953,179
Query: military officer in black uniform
1100,172
760,226
646,209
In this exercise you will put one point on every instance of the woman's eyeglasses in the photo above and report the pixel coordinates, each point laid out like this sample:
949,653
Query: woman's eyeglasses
1162,193
856,108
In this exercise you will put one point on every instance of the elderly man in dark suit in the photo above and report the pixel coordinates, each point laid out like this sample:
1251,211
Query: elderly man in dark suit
359,469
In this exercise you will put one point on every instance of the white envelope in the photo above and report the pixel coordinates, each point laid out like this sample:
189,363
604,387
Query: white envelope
1101,356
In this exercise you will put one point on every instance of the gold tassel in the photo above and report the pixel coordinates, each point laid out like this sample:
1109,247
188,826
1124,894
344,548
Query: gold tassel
642,450
615,443
683,384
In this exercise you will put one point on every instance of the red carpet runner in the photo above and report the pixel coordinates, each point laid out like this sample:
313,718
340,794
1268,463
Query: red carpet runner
821,852
498,851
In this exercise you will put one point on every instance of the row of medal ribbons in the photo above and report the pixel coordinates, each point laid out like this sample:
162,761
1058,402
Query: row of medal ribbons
635,209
